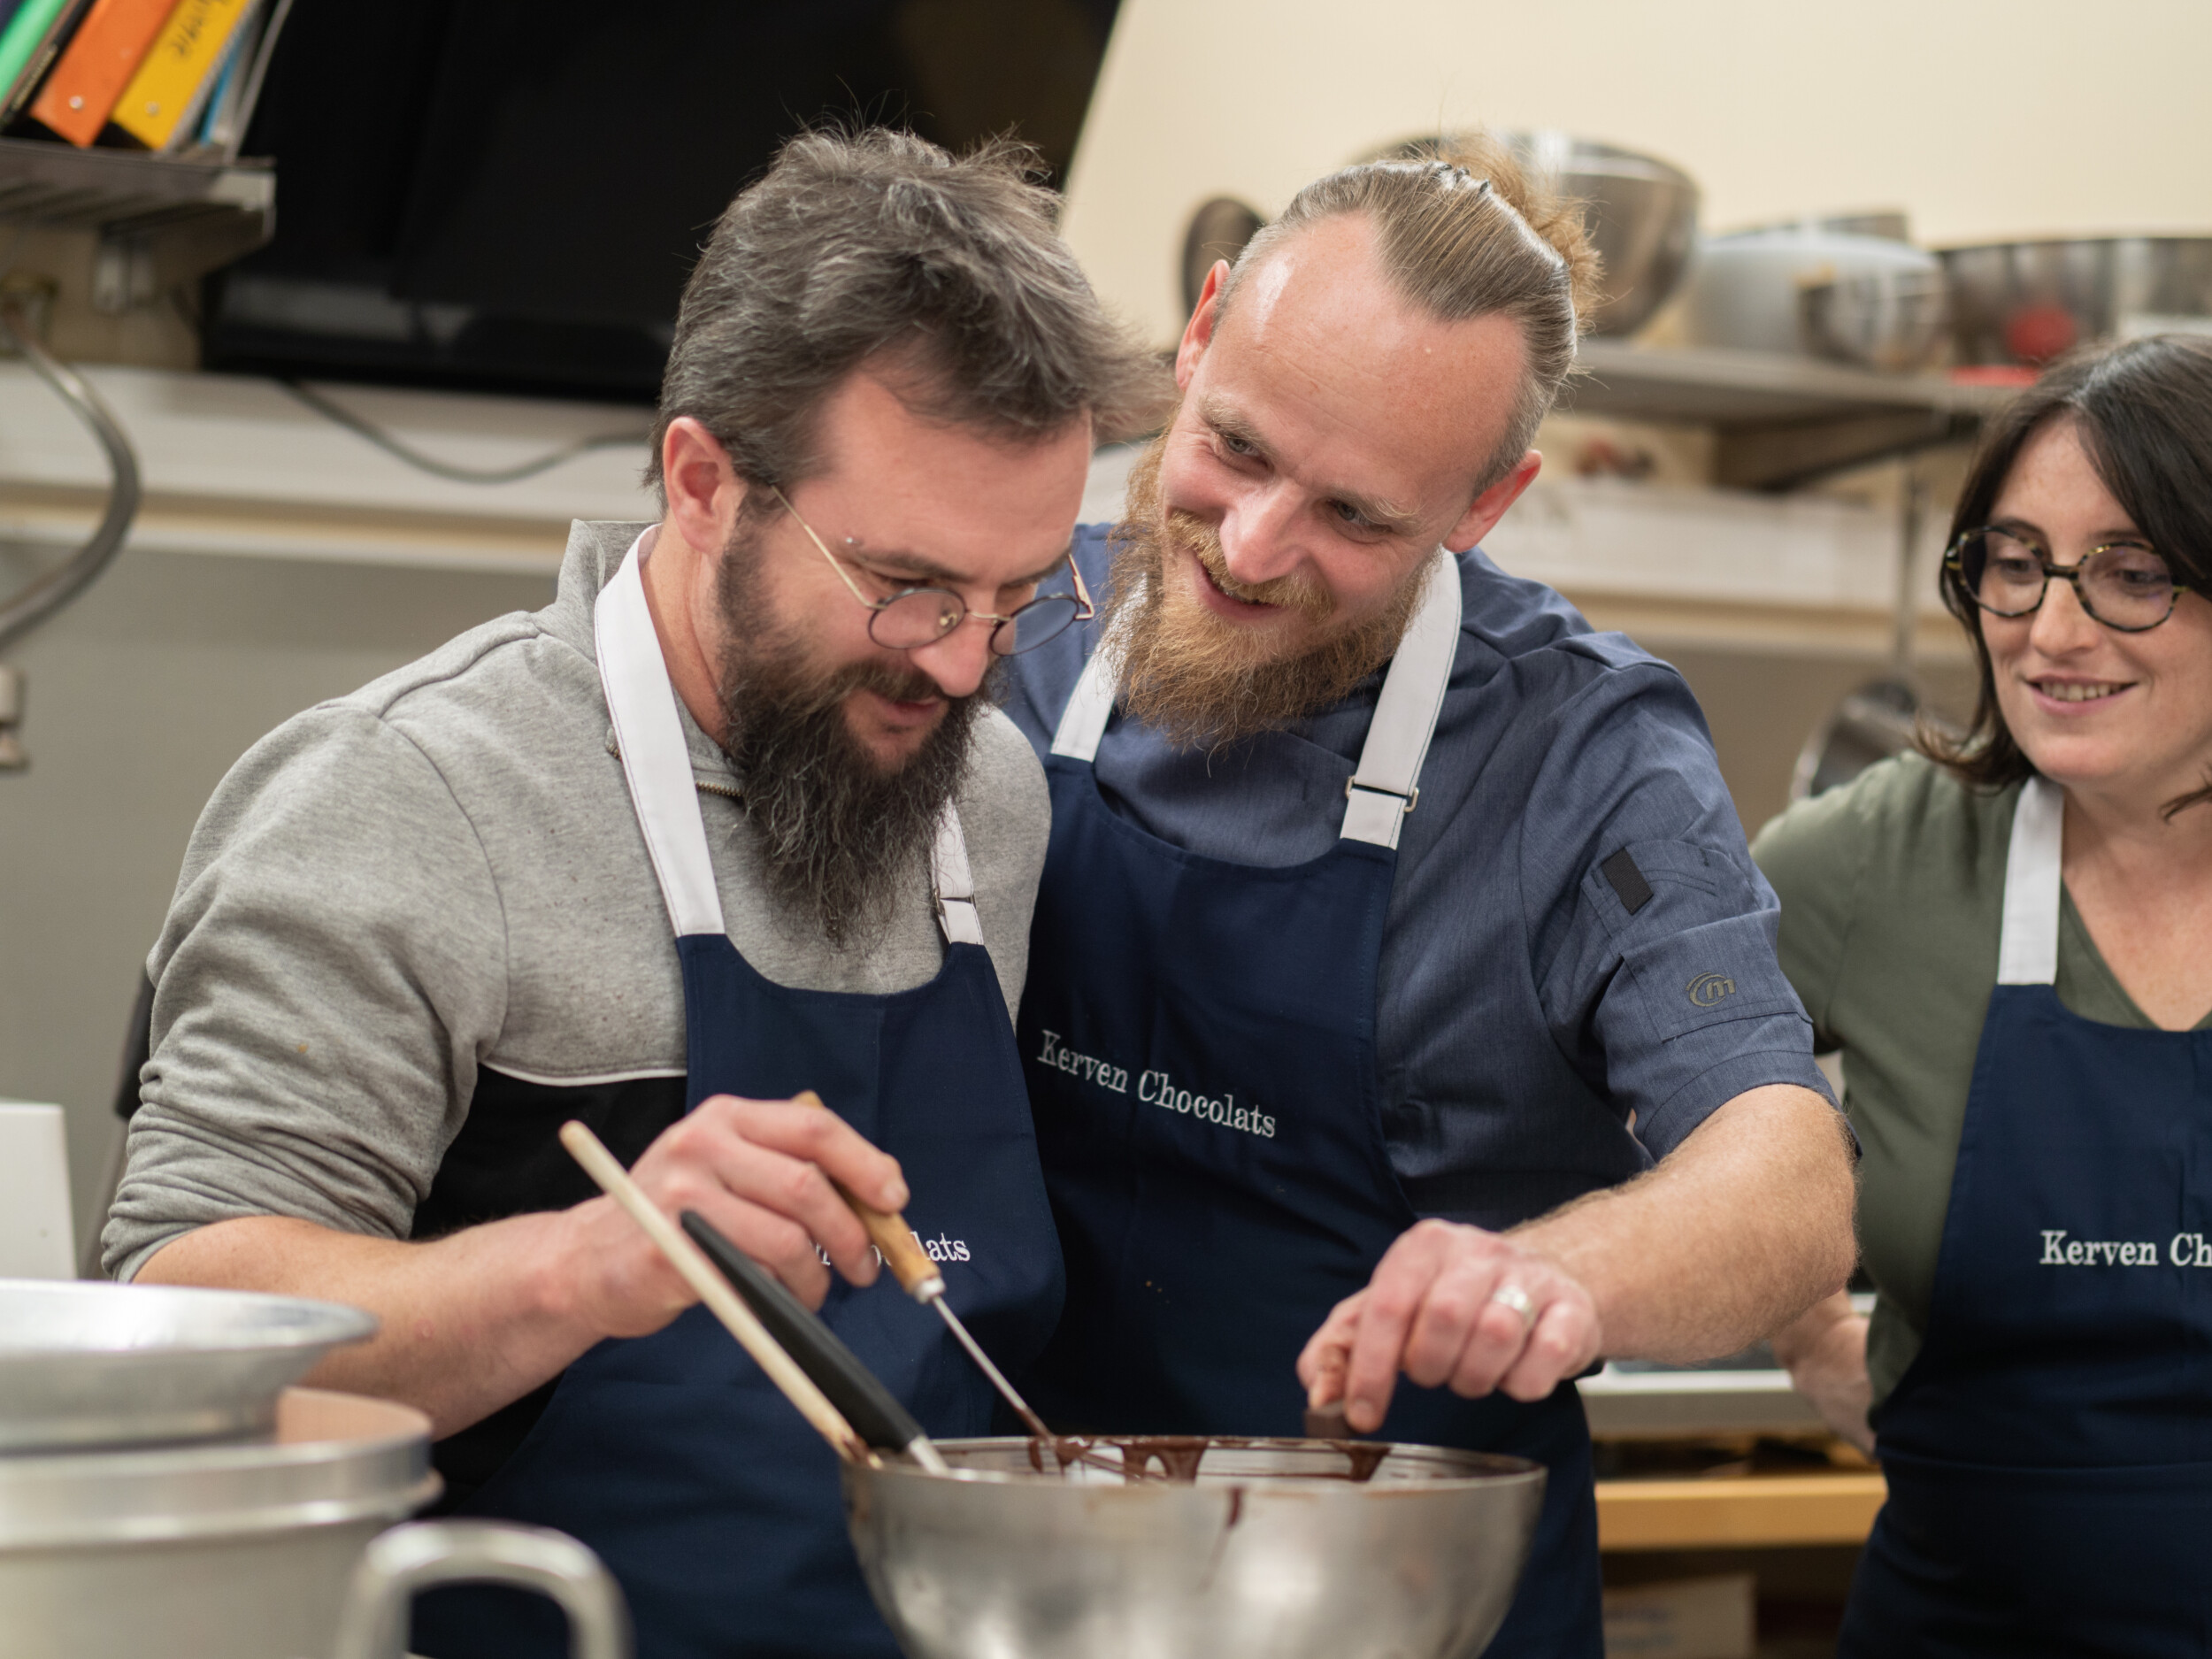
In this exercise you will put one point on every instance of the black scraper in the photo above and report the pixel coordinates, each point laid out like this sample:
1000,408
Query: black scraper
872,1410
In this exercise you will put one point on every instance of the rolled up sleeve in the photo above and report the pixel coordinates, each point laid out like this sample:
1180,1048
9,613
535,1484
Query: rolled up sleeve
331,966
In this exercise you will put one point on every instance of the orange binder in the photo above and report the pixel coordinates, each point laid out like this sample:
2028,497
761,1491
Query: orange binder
92,72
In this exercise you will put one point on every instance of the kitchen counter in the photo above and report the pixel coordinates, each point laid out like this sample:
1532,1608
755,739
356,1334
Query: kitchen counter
1755,1510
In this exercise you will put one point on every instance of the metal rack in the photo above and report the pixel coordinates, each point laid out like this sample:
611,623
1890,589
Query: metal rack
1779,421
160,220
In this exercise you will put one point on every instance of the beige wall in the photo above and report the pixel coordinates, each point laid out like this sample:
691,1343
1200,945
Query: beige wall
1984,120
139,697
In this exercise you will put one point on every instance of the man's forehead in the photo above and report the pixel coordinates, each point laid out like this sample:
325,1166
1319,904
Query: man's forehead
1318,349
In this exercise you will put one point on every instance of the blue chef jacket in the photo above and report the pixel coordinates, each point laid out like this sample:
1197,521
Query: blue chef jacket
1544,1028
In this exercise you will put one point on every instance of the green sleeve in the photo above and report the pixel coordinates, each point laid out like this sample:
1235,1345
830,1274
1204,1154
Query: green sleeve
1814,856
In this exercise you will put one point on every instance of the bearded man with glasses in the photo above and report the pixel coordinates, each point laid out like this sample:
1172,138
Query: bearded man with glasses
703,833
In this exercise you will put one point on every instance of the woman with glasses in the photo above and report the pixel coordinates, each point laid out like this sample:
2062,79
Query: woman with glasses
2010,940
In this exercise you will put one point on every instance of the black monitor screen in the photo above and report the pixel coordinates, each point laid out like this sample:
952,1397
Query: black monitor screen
509,194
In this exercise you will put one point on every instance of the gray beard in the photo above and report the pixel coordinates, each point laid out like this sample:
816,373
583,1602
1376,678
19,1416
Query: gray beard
838,836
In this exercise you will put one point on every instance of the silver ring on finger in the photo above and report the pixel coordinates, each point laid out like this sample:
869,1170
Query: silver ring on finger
1514,1297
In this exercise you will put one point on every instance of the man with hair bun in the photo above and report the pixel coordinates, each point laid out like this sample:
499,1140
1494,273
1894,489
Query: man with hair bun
1427,900
727,820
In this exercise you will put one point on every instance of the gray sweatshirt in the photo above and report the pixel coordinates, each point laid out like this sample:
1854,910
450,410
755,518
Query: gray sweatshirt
442,874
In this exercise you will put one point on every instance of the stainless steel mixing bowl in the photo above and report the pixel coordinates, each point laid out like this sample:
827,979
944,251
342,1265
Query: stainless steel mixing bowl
1885,319
1274,1549
98,1364
1640,212
2026,301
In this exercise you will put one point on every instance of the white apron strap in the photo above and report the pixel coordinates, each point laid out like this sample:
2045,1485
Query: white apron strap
2027,947
651,735
1386,784
1083,722
954,885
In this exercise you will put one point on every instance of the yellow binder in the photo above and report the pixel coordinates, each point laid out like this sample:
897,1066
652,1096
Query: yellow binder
163,91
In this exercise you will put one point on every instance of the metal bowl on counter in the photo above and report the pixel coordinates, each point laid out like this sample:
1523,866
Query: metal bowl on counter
1640,213
2027,301
97,1364
1283,1548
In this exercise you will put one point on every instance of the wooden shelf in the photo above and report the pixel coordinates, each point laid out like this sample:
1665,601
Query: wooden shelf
1751,1511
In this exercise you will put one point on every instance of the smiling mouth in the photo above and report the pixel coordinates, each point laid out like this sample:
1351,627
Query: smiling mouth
2078,691
1206,572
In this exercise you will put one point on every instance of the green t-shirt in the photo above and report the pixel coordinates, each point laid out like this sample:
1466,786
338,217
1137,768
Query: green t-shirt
1893,890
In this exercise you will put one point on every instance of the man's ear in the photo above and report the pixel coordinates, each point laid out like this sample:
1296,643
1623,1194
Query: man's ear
703,490
1486,509
1198,333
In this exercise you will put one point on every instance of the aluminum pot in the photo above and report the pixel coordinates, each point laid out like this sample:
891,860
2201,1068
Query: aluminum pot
249,1549
1281,1549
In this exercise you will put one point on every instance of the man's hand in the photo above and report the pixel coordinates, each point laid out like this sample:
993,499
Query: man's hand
1451,1305
1736,1231
761,1172
478,1317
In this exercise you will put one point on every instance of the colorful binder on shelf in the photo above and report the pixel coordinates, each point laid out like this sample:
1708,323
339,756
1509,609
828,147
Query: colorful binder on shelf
99,62
167,87
27,45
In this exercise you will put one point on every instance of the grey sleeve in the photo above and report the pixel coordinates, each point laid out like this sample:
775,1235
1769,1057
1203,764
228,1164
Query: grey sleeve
1006,813
333,965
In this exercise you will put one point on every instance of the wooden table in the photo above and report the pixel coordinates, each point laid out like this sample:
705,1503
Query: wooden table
1748,1511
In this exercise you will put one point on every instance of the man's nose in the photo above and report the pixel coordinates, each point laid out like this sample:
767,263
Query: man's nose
1259,536
958,662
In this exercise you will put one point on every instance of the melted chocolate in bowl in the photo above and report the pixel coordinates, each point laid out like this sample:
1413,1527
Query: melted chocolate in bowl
1210,1547
1178,1457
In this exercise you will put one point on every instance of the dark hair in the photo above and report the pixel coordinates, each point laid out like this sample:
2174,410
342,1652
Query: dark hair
1463,231
2143,409
878,246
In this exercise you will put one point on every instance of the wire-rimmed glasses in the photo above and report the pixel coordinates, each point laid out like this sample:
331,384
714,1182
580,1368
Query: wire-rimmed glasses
2124,585
915,617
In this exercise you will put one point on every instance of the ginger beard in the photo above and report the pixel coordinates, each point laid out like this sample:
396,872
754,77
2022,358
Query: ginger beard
1203,682
840,832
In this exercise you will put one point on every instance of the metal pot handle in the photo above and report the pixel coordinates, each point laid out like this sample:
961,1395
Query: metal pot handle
407,1559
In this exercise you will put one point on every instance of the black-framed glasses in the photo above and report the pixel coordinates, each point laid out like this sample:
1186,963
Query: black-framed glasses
916,617
2124,585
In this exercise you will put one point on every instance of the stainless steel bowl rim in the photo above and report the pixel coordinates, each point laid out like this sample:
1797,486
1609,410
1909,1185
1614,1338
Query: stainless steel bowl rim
1494,1469
299,1323
2007,243
48,1499
1589,156
276,1518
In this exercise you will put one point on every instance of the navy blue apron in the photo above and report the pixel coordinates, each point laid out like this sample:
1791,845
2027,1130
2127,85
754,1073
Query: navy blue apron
1200,1040
2049,1450
714,1505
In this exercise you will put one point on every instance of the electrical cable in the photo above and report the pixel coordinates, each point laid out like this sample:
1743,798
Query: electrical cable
38,600
361,427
